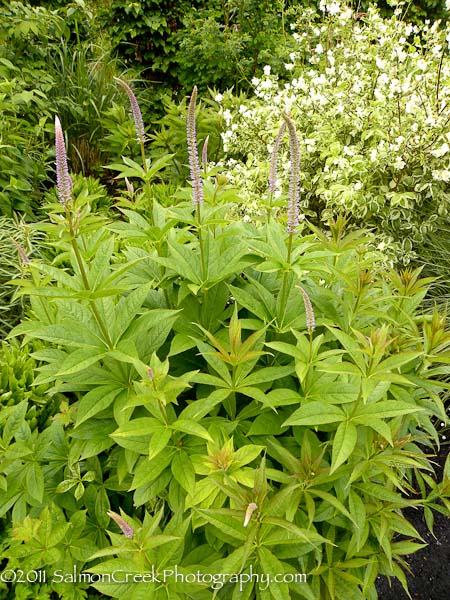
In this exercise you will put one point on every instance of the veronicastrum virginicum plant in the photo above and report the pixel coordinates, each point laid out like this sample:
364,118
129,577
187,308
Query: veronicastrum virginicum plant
237,395
371,100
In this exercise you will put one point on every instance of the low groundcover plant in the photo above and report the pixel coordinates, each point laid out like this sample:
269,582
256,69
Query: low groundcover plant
238,399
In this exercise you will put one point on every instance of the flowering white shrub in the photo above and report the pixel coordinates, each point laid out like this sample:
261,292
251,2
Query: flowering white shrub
371,101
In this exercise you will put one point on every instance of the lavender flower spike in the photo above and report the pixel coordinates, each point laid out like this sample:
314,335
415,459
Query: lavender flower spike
196,180
23,255
136,111
310,318
274,159
63,180
126,529
294,181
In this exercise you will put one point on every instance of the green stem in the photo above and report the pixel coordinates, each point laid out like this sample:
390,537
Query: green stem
144,166
439,79
269,209
308,377
200,241
94,309
284,287
230,402
144,162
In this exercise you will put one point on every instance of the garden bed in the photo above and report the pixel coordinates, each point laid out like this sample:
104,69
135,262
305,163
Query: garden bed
430,574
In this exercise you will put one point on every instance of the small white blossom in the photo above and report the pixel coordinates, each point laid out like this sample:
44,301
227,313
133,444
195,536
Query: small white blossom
399,163
227,116
438,152
266,84
441,175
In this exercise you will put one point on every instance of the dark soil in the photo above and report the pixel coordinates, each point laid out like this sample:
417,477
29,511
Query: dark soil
431,565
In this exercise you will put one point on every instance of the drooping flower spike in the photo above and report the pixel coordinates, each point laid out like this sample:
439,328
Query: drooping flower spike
136,111
194,166
23,255
63,179
294,181
126,529
310,318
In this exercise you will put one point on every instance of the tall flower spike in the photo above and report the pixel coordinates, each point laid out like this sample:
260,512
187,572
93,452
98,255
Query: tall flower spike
126,529
294,181
274,158
310,318
248,513
63,180
136,111
196,180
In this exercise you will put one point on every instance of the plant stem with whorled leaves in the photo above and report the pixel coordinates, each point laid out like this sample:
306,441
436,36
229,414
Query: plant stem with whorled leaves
64,187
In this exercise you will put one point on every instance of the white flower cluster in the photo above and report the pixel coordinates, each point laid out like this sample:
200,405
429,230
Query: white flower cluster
371,101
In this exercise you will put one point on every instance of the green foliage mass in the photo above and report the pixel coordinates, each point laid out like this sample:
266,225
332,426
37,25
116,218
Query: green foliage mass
236,396
183,44
51,62
194,392
17,374
17,242
144,32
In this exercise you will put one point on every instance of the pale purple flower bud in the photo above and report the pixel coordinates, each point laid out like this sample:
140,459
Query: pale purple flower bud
150,373
136,111
205,152
274,159
129,185
196,180
63,180
23,255
126,529
310,318
248,513
294,181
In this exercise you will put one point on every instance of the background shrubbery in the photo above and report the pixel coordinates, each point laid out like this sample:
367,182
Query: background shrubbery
370,98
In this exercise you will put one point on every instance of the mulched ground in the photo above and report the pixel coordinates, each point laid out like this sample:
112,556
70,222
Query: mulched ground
431,565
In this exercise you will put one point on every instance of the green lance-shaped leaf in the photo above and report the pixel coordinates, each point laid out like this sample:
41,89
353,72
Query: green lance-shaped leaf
343,444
